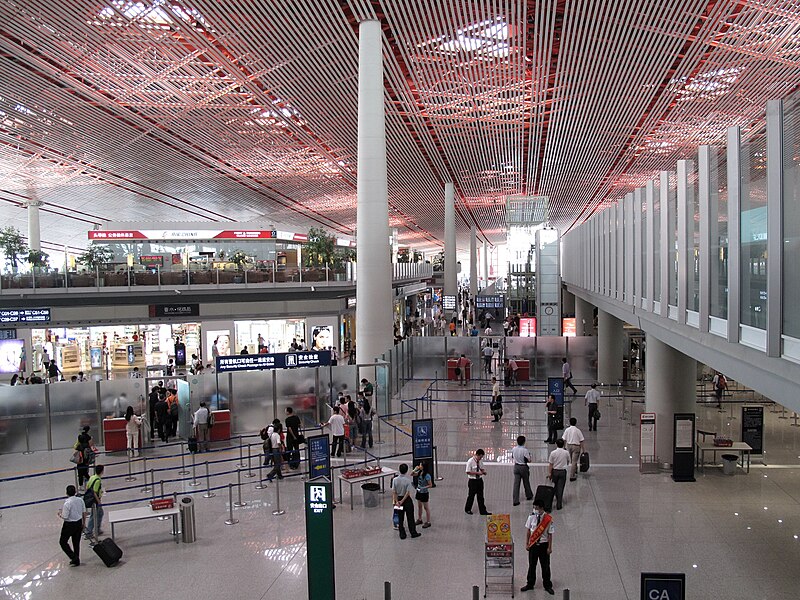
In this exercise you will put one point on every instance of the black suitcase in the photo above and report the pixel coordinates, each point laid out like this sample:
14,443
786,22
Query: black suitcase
192,444
544,495
584,462
108,551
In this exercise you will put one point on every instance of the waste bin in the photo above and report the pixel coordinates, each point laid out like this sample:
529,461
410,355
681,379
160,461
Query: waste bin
371,498
729,463
187,520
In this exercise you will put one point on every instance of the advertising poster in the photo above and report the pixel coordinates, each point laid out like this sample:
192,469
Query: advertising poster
321,337
527,327
10,351
96,357
498,529
568,327
223,339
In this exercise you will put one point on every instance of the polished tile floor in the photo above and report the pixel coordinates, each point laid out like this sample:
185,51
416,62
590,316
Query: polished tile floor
734,537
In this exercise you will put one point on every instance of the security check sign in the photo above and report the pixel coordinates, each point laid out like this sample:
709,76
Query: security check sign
663,586
278,360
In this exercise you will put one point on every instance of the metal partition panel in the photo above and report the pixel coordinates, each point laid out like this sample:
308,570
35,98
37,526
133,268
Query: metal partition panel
582,355
523,348
429,357
23,407
72,407
216,399
117,394
343,379
468,346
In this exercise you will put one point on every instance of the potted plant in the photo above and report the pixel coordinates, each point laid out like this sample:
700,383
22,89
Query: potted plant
13,246
38,260
241,260
96,256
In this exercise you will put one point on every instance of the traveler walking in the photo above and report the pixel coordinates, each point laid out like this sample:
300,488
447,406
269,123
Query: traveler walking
487,357
74,516
200,425
276,447
336,423
365,415
152,400
92,498
566,373
540,546
402,488
475,474
573,438
293,438
720,384
162,417
591,399
87,455
522,472
558,462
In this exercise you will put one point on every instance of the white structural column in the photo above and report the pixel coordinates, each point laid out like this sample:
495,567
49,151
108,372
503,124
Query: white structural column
374,283
671,378
473,263
584,317
610,340
450,277
485,264
33,204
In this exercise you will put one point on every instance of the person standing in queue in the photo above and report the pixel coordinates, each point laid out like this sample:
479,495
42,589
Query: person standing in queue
336,423
539,545
74,516
424,485
200,424
522,472
558,462
552,419
475,475
402,488
293,438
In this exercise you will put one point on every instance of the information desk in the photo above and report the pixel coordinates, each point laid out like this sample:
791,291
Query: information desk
144,512
452,363
523,370
739,448
222,426
385,472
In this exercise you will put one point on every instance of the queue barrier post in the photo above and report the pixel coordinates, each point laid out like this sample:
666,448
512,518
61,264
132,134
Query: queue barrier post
27,441
183,470
476,592
387,590
209,493
152,484
145,489
249,467
239,502
241,464
194,482
278,511
230,520
436,464
260,485
130,476
161,484
379,441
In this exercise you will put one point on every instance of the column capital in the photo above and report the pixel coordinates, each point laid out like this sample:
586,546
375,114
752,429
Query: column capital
34,202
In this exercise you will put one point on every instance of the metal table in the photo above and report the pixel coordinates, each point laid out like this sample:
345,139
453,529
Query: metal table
385,472
739,448
141,513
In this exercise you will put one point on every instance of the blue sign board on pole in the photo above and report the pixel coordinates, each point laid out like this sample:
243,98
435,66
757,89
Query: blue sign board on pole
319,456
555,386
422,439
281,360
663,586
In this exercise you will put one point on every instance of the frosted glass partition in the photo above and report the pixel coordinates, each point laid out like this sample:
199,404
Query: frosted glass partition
753,265
693,241
251,398
22,406
719,233
296,388
428,357
344,379
672,231
791,215
72,407
468,346
208,386
582,355
524,348
657,216
549,352
117,394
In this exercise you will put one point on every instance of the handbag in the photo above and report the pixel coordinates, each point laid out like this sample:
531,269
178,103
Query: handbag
458,371
597,414
396,517
77,457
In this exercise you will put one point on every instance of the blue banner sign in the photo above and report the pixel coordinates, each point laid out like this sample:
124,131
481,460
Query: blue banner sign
663,586
319,456
422,439
555,387
285,360
25,315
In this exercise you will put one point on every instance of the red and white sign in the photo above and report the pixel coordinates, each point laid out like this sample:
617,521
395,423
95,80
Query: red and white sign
568,327
179,234
527,327
647,436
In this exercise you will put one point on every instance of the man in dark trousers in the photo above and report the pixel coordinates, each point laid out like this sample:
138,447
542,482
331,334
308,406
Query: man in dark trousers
402,488
162,417
539,544
74,516
292,438
152,401
475,474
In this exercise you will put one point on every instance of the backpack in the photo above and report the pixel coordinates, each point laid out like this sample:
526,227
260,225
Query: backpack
264,434
210,418
352,410
90,495
88,455
367,406
173,409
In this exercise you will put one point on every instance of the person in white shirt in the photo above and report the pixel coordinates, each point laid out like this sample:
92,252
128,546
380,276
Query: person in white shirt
133,425
573,438
200,424
488,330
336,423
591,399
74,516
557,473
487,358
566,373
539,544
475,475
522,472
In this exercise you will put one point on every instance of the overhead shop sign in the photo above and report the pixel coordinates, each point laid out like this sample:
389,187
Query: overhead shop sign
281,360
180,234
25,315
174,310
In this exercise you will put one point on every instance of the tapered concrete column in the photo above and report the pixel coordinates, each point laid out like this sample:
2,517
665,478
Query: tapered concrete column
584,317
374,269
485,264
450,276
671,379
473,263
609,348
34,236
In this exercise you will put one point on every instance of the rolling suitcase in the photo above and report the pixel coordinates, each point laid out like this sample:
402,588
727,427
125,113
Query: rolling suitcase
192,444
584,462
544,495
108,551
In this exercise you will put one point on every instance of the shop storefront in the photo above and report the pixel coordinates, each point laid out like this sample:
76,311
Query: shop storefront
276,335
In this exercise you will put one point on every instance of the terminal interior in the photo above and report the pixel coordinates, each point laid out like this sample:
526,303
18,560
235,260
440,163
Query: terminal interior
421,197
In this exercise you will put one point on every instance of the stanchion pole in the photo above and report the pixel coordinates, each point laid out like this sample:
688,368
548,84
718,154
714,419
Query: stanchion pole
194,482
152,484
161,484
231,520
183,470
378,441
365,457
278,511
566,595
436,464
394,431
96,528
130,476
27,441
241,464
249,467
476,592
209,493
387,590
239,503
145,489
260,485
